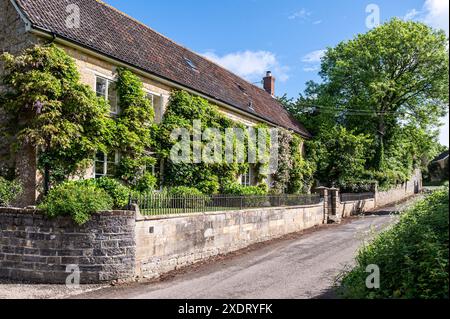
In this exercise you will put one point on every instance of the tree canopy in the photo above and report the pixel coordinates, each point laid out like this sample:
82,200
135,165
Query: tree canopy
390,84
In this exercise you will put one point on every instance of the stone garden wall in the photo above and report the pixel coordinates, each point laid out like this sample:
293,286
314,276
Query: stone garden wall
36,249
167,243
123,245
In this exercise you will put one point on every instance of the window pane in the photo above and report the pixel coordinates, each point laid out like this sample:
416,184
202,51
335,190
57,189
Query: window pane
100,156
245,179
99,165
111,169
100,87
157,108
112,97
112,157
99,169
150,97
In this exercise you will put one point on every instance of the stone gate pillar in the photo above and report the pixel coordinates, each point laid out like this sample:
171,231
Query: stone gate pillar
323,191
334,214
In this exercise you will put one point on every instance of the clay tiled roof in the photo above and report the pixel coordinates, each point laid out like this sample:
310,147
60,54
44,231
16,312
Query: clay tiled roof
116,35
441,157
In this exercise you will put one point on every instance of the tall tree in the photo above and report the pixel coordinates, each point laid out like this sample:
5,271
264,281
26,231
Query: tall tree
391,84
393,74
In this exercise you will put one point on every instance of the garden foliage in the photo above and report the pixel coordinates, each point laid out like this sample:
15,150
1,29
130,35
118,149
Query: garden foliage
413,256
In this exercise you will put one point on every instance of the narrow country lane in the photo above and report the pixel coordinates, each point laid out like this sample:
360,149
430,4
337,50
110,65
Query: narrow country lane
303,267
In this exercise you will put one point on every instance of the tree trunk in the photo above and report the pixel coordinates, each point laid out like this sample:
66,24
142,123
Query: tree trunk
46,179
47,173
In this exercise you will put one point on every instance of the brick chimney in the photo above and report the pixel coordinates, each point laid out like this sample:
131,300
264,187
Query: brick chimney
269,83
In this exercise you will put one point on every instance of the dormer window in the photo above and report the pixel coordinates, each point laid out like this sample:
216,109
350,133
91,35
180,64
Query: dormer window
191,64
241,88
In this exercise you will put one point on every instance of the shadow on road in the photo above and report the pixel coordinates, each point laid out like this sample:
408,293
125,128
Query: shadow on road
329,294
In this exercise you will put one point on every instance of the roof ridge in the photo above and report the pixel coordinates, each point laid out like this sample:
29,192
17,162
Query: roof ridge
178,44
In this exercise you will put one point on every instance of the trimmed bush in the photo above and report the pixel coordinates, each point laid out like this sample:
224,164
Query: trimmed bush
183,191
256,196
118,192
9,190
413,256
146,183
240,190
77,200
356,186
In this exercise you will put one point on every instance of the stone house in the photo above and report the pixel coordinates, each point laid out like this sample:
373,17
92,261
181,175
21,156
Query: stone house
102,40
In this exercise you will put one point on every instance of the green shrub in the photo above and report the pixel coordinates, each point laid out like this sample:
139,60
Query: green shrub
116,190
237,189
9,190
413,256
255,195
146,183
184,191
356,186
77,200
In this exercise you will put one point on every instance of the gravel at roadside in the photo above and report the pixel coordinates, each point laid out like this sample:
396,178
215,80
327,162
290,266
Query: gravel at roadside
11,290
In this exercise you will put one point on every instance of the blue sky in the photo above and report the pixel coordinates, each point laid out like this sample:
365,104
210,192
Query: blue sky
287,37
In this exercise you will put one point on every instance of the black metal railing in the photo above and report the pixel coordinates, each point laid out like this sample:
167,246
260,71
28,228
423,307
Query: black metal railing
163,204
350,197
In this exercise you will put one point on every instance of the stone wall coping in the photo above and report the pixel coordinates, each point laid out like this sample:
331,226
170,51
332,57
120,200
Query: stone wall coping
140,217
357,201
19,211
25,211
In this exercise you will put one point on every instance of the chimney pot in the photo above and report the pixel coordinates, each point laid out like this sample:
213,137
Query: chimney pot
269,83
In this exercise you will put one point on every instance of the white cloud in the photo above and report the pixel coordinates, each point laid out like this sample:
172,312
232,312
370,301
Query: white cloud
444,138
411,14
437,14
317,22
314,56
433,13
251,65
311,69
301,14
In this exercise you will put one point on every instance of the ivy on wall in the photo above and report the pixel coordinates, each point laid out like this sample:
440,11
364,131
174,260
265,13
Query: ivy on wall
209,178
133,132
283,174
302,171
295,173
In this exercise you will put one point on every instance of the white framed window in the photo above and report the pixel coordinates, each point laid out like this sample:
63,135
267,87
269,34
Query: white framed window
106,164
246,178
106,88
157,101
